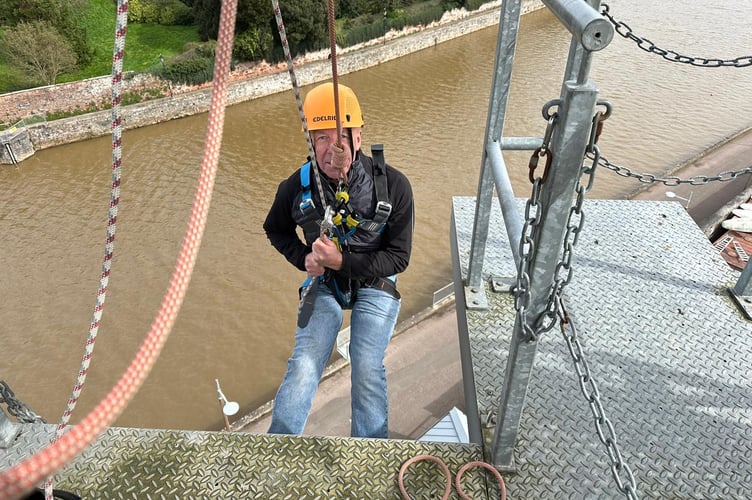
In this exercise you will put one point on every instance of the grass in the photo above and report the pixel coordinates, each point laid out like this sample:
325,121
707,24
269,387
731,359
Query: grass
143,45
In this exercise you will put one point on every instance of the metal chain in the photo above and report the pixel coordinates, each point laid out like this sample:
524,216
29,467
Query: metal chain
670,55
18,409
527,246
532,221
621,472
575,222
671,180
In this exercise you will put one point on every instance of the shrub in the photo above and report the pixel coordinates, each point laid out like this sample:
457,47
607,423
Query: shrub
165,12
253,45
427,16
474,4
189,71
177,14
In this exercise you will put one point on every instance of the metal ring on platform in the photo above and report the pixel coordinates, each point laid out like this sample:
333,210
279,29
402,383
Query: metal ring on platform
483,465
420,458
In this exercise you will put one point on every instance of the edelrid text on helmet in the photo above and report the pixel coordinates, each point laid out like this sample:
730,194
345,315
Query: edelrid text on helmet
319,108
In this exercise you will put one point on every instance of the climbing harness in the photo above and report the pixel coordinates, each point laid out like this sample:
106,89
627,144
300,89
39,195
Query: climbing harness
670,55
24,475
448,476
346,220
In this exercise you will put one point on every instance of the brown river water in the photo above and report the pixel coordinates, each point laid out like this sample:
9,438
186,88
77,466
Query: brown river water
238,318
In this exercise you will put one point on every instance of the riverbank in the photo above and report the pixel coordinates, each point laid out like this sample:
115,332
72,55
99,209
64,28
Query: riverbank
246,82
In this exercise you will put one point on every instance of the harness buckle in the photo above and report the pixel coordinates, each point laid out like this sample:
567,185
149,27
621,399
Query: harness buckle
306,205
383,211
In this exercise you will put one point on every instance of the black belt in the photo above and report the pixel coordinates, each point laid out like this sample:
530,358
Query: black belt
383,284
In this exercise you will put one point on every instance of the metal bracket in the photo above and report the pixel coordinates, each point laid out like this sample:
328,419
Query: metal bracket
475,297
503,284
744,302
8,430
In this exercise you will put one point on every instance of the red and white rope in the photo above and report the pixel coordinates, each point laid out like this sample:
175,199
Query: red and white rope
24,475
296,91
121,26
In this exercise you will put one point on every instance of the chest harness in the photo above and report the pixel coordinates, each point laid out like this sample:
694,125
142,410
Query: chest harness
347,220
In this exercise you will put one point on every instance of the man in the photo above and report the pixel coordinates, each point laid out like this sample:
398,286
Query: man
354,266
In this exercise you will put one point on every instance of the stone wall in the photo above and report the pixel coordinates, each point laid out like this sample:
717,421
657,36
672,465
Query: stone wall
184,103
15,147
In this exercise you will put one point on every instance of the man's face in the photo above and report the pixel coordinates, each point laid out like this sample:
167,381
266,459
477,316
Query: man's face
322,145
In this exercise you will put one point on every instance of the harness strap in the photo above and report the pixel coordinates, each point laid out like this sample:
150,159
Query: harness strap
383,207
384,284
346,298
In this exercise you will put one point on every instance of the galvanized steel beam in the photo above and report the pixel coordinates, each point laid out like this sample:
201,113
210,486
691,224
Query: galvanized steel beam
585,23
505,47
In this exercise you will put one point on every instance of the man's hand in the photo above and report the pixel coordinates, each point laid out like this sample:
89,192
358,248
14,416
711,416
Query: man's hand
326,254
341,157
313,268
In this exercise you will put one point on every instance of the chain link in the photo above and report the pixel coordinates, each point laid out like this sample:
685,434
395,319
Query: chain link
670,180
621,472
20,410
527,246
532,221
648,46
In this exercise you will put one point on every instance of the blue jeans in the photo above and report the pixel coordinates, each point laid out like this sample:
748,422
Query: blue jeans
374,315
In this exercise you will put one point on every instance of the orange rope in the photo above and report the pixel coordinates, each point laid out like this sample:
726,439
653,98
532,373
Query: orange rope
335,80
24,475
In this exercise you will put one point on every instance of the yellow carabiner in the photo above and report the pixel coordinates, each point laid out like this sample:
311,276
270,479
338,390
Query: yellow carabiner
351,221
342,196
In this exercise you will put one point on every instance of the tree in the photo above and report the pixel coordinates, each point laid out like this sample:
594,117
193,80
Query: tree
206,14
39,50
64,15
306,24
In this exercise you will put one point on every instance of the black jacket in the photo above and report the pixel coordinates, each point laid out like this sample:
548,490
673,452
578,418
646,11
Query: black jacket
393,253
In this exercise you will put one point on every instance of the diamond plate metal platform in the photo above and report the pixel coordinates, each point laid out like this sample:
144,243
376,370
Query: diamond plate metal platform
669,351
165,464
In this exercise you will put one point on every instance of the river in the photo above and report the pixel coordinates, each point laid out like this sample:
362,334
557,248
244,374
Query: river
238,318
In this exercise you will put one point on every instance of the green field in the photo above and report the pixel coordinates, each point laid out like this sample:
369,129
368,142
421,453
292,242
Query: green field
143,45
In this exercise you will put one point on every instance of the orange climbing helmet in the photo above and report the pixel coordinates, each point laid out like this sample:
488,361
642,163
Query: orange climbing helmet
319,108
